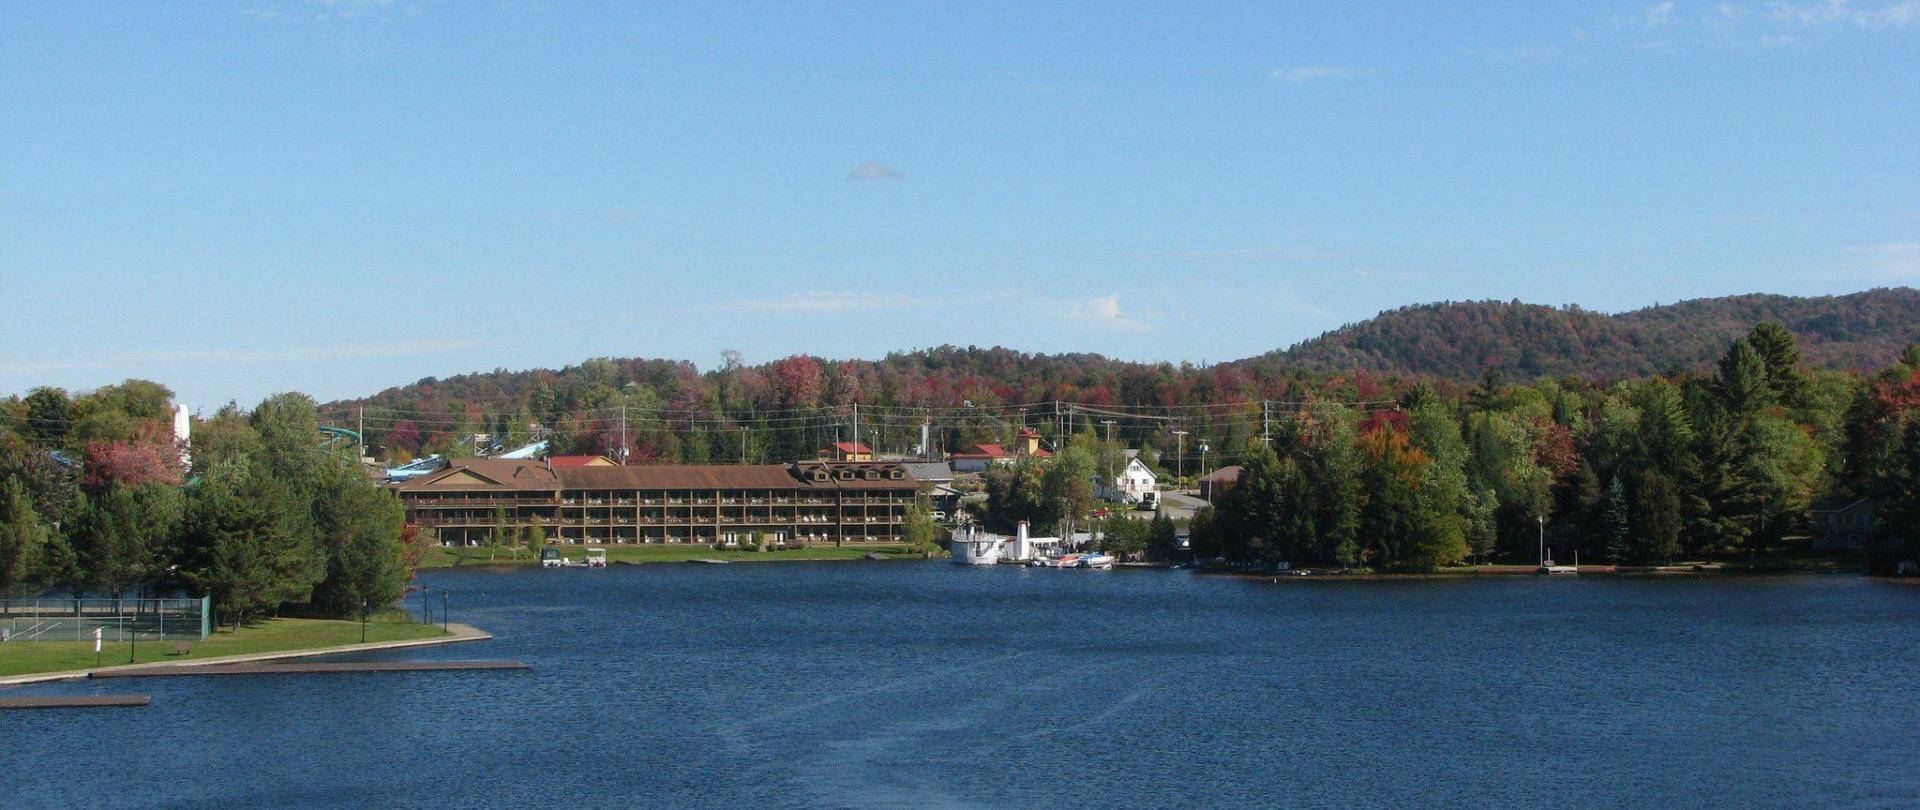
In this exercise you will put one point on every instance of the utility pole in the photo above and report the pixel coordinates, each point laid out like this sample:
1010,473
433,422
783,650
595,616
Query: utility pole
1180,454
743,444
856,432
361,414
1266,428
623,434
1106,453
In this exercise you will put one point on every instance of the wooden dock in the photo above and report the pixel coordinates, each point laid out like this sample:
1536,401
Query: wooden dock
72,701
303,668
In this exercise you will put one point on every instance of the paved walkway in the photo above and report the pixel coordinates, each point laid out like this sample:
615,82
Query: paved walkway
456,633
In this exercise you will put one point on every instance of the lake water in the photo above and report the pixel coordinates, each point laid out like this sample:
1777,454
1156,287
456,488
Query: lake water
928,685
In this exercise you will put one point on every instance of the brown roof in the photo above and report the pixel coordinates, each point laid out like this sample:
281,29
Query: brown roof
487,474
682,476
853,475
495,475
580,461
1227,475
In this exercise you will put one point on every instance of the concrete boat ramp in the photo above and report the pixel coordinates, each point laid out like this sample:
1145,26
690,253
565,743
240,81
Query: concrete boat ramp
72,701
300,668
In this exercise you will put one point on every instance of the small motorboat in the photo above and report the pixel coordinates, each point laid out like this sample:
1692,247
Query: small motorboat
1096,560
550,558
596,558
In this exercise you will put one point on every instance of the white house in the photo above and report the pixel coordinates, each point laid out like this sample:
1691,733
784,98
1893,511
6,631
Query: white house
1133,483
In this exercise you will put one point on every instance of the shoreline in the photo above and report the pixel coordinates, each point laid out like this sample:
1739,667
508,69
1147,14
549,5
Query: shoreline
1534,571
444,558
456,633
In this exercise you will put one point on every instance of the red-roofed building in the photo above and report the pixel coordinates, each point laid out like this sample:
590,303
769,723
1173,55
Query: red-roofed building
581,461
1027,442
978,457
847,451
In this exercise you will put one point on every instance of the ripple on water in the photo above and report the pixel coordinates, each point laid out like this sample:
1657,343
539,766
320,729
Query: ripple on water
917,685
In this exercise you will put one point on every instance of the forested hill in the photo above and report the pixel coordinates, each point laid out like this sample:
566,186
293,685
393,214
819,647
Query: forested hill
1372,359
1459,340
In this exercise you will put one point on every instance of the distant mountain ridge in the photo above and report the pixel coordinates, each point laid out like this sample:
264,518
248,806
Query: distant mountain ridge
1862,331
1451,340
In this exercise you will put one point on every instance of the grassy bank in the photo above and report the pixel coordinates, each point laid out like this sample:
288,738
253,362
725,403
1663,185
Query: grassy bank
265,636
442,557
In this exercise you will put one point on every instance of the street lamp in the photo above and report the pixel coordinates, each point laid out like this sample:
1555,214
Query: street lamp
1543,539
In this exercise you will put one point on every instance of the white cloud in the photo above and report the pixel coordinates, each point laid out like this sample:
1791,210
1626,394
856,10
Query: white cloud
142,362
817,302
1739,25
11,367
1895,259
1532,54
1659,15
1103,312
323,10
1302,74
1844,12
872,170
1234,253
401,348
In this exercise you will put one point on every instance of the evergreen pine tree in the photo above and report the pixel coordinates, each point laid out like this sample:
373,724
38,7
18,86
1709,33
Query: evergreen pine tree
1614,528
23,538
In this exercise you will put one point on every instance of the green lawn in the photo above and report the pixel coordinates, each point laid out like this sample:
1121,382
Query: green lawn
441,557
267,635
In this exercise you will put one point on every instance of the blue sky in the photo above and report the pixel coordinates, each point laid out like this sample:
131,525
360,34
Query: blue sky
336,197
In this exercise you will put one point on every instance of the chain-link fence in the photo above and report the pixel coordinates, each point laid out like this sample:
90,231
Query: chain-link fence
117,619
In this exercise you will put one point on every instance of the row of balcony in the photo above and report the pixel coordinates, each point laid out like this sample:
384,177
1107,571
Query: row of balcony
487,522
443,501
804,540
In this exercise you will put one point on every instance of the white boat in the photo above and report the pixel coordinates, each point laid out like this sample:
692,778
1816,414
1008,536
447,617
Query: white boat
1057,561
1096,560
1089,559
596,558
975,547
550,558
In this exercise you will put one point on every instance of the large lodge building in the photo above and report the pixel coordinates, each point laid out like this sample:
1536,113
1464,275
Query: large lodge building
785,504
